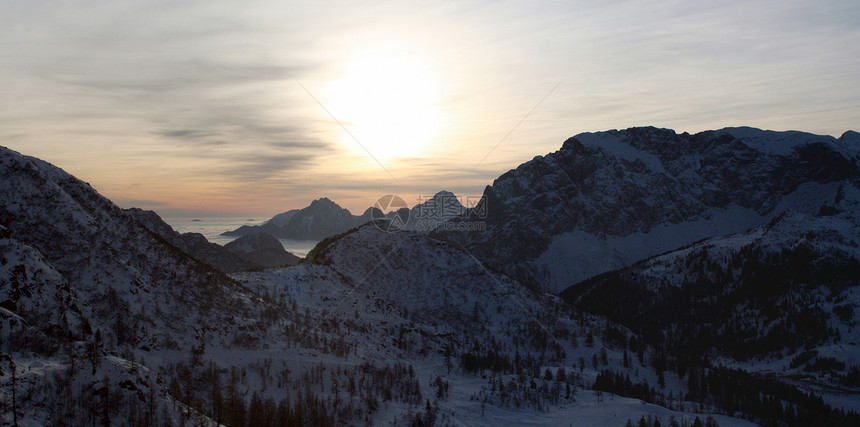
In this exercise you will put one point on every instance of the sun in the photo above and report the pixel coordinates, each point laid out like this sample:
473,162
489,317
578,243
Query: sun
386,102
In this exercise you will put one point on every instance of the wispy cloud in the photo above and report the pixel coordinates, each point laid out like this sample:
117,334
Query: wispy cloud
196,100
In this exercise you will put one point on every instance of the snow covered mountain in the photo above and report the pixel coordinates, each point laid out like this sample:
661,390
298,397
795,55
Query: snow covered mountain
104,321
84,283
427,215
607,199
121,269
779,299
773,289
38,308
194,244
484,342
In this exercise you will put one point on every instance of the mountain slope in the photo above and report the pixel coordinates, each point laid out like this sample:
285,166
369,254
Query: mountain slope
125,273
86,290
430,299
262,249
607,199
38,308
406,297
283,218
194,244
273,226
781,299
767,290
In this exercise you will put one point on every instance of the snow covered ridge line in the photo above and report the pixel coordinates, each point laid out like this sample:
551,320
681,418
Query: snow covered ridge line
391,212
120,271
435,214
605,200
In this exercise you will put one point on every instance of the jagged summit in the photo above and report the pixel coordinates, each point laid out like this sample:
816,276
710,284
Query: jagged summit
325,201
606,199
443,193
431,212
324,218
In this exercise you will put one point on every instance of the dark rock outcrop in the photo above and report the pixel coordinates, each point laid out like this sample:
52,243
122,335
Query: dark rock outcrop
262,249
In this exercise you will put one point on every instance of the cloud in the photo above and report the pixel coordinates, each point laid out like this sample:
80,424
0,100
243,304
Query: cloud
200,97
185,134
253,168
180,77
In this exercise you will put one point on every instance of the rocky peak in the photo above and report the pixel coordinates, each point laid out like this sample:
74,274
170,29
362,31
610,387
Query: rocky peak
639,184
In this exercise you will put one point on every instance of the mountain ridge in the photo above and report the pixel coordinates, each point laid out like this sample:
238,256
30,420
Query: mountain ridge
324,218
194,244
626,192
103,250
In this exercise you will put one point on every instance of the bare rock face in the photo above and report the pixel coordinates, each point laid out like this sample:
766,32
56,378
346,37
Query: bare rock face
607,199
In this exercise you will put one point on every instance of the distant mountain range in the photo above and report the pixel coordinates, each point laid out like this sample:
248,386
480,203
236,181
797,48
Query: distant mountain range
324,218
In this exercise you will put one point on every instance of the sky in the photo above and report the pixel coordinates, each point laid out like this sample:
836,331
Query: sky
251,108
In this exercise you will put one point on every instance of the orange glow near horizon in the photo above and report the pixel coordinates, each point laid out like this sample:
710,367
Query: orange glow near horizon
226,109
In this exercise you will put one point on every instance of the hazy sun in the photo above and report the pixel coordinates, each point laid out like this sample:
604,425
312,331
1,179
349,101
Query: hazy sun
386,103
